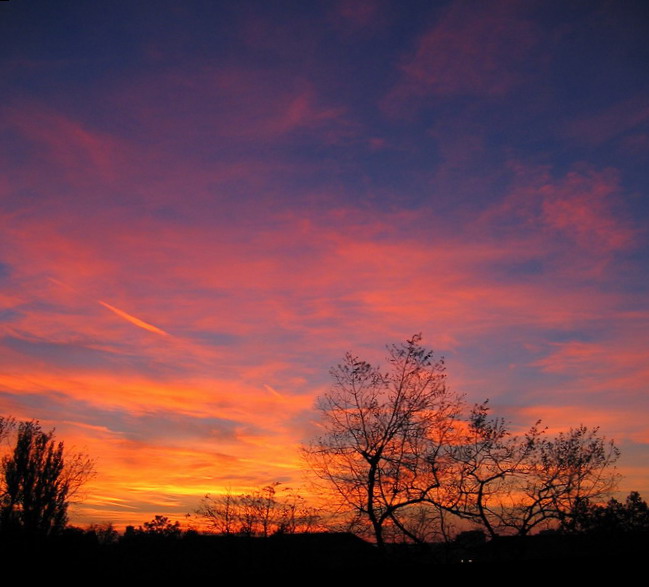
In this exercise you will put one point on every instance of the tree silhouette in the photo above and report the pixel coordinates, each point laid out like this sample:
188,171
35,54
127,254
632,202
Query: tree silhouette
269,510
614,517
518,483
386,435
163,527
399,453
39,480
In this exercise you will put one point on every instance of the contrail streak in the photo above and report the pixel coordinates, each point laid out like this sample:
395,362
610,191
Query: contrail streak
134,320
276,393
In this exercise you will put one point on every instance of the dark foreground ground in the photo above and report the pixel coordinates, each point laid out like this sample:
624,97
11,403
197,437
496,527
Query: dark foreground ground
328,558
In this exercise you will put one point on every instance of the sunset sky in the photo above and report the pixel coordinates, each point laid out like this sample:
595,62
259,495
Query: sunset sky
205,204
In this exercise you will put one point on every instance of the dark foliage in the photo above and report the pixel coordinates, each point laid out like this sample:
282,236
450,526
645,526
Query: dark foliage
613,518
38,482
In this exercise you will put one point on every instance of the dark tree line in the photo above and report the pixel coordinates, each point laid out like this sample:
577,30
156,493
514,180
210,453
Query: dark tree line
614,517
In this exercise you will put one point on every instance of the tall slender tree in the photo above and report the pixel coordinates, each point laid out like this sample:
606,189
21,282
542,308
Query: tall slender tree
39,480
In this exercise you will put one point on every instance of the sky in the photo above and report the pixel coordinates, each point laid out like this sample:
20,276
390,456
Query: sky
205,204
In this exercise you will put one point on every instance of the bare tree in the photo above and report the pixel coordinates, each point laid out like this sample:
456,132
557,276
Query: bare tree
386,435
402,459
489,463
221,512
562,471
294,514
260,513
517,483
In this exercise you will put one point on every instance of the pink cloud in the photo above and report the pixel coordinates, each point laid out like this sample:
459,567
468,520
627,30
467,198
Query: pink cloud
627,119
69,145
332,254
581,206
472,49
617,365
182,106
361,17
577,214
